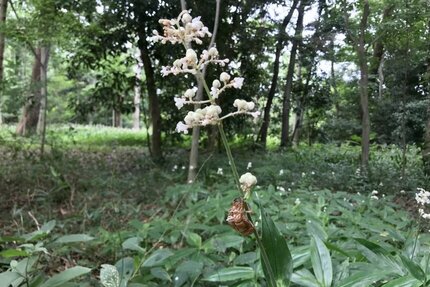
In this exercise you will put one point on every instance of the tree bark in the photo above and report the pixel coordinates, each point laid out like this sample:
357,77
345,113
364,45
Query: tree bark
195,138
364,87
41,124
3,9
289,79
154,106
137,96
30,115
262,138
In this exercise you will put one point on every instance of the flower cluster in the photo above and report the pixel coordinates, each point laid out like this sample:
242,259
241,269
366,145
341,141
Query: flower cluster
423,198
184,30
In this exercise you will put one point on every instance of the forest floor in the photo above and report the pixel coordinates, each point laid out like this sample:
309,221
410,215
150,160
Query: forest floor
104,188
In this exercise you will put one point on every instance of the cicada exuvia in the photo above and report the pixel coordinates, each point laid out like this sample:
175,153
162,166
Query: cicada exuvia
238,217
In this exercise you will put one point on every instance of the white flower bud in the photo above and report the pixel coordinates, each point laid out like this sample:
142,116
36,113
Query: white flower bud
190,93
213,52
224,77
216,84
191,57
247,181
181,127
179,102
186,18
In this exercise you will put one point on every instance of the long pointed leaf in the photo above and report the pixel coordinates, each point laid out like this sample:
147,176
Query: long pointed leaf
321,262
278,253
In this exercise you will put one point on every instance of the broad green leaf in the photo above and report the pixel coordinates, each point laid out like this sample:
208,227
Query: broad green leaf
160,273
157,258
194,239
109,276
125,267
221,243
321,262
25,265
279,267
45,229
187,270
133,243
372,246
363,278
315,228
405,281
65,276
8,277
246,258
413,268
72,238
300,255
13,253
304,278
231,274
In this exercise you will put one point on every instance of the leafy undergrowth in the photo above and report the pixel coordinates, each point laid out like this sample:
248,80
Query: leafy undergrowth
115,206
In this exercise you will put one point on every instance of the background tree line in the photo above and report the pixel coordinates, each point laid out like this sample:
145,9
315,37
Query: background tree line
321,71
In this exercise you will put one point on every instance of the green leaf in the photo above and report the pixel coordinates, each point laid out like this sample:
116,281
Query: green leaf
65,276
187,270
133,243
246,258
300,255
321,262
45,229
304,278
125,267
413,268
157,258
109,276
194,239
279,267
372,246
160,273
221,243
363,278
8,277
72,238
315,228
231,274
13,253
405,281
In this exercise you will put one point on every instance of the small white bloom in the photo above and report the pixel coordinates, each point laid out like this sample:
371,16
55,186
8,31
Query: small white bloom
281,172
303,174
190,93
179,102
297,201
181,127
238,82
280,188
213,52
374,197
224,77
186,18
219,171
249,165
402,191
313,172
191,57
374,192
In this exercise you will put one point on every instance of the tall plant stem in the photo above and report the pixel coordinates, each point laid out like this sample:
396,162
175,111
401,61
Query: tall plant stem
227,148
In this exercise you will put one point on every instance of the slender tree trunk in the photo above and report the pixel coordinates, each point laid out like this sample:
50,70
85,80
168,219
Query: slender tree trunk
41,124
116,117
426,149
137,96
154,106
3,9
289,80
262,138
364,88
30,115
301,109
195,139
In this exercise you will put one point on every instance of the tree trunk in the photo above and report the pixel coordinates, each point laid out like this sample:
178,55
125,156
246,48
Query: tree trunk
364,88
41,124
426,149
154,106
289,80
262,138
30,115
116,117
3,9
195,139
137,96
